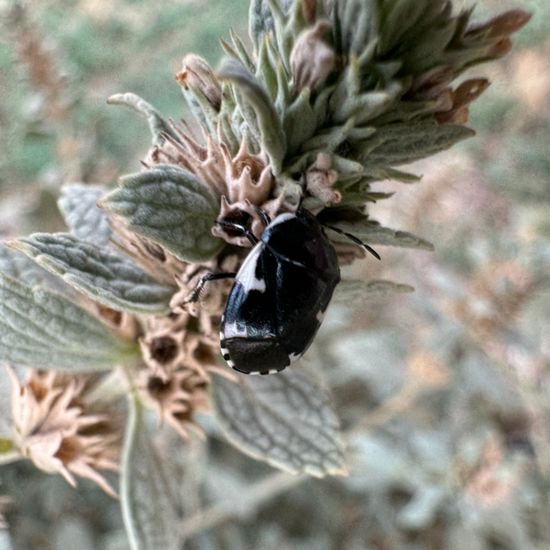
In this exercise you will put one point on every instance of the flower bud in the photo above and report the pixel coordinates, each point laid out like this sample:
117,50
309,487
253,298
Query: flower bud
197,74
312,59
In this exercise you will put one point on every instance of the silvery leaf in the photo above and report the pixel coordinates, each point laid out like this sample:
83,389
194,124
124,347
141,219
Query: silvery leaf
299,121
44,330
373,233
286,419
354,292
16,265
101,274
397,144
149,508
171,207
85,220
260,21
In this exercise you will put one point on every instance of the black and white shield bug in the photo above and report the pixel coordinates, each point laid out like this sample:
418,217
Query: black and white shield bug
280,294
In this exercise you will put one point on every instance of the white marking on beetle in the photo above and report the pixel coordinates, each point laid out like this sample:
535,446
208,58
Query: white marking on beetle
320,316
250,282
281,218
246,276
270,371
232,331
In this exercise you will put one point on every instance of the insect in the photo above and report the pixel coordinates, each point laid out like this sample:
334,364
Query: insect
281,293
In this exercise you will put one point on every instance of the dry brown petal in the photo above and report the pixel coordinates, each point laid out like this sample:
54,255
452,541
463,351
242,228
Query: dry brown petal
156,261
57,429
502,25
320,180
177,398
124,324
501,48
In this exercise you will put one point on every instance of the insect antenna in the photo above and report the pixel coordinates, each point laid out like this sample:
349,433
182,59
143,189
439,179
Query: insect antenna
355,240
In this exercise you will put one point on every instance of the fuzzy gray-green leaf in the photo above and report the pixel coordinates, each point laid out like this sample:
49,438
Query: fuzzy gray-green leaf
78,204
299,121
373,233
149,508
157,124
353,292
16,265
285,419
269,124
171,207
44,330
101,274
397,144
260,22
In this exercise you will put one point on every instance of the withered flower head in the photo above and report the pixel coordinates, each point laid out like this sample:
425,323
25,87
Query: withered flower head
180,354
241,181
176,397
55,427
320,180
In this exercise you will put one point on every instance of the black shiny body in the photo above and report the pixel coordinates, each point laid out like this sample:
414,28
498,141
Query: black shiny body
280,294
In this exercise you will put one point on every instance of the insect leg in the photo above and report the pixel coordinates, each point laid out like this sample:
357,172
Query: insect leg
355,240
240,229
196,292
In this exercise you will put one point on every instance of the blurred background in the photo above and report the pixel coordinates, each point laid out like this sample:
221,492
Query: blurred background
444,393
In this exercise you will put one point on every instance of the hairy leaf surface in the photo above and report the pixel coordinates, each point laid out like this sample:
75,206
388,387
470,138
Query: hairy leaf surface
44,330
100,273
354,292
373,233
85,220
16,265
286,419
397,144
171,207
148,505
